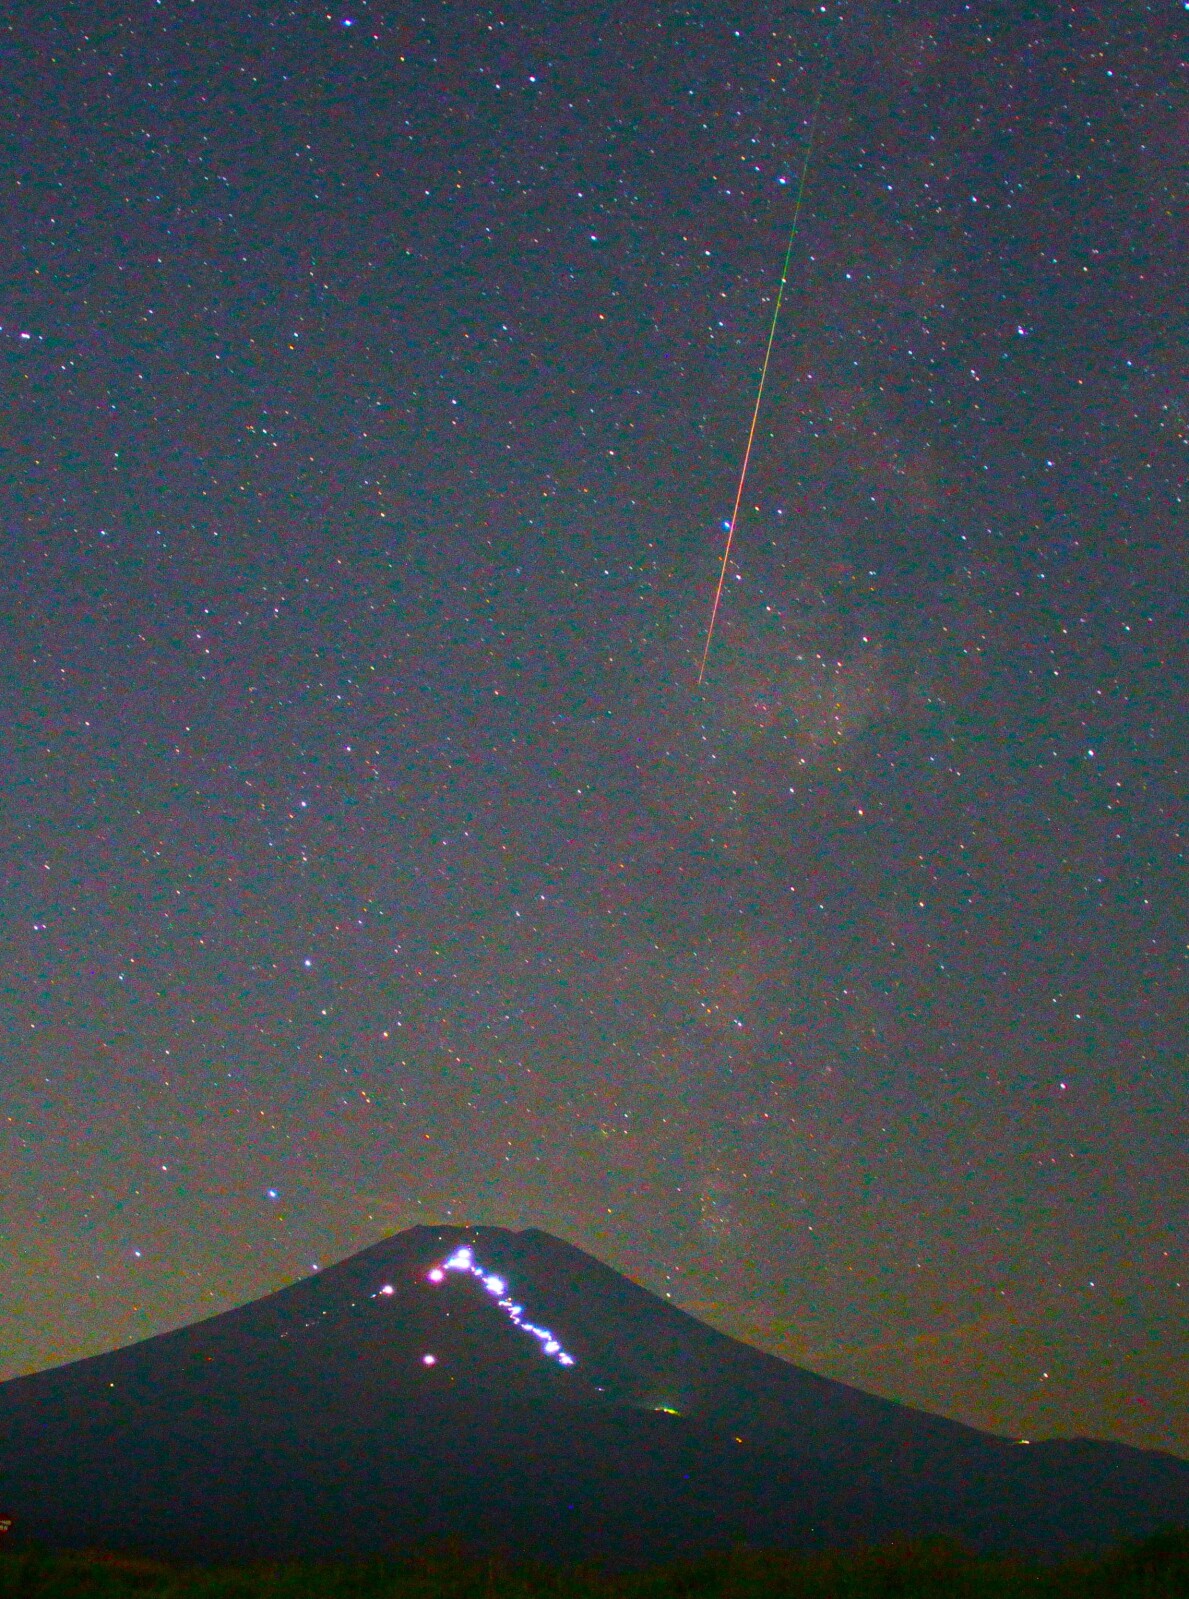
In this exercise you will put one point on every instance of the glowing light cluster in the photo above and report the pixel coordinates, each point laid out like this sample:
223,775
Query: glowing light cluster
463,1260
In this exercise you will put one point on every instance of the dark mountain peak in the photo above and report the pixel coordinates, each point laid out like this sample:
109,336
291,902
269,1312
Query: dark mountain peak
509,1388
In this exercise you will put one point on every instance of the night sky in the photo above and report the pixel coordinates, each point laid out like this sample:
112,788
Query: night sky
375,384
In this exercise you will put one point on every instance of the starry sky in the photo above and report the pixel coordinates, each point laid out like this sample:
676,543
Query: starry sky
375,384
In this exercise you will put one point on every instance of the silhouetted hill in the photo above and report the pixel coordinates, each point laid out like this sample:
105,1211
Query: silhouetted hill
312,1422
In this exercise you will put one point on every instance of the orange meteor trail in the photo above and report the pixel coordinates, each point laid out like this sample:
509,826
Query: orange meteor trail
755,415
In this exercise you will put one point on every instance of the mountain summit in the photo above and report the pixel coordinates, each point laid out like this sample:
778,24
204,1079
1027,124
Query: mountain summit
508,1390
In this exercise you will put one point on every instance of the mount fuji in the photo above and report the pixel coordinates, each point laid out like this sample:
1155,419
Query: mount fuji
508,1391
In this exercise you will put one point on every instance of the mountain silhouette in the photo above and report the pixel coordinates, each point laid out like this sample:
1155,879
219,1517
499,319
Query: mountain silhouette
508,1391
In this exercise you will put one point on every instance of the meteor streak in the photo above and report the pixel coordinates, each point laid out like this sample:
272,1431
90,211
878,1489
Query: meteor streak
755,415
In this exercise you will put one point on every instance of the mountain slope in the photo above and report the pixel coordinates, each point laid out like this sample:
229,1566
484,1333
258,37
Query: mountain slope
371,1405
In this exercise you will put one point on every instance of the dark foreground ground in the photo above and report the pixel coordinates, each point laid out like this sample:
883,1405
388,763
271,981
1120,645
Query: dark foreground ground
1157,1568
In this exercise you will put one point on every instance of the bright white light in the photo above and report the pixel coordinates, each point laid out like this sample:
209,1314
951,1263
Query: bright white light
388,1289
429,1360
463,1259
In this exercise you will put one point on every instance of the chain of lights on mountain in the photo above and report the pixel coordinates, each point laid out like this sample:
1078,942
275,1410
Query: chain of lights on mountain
463,1260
